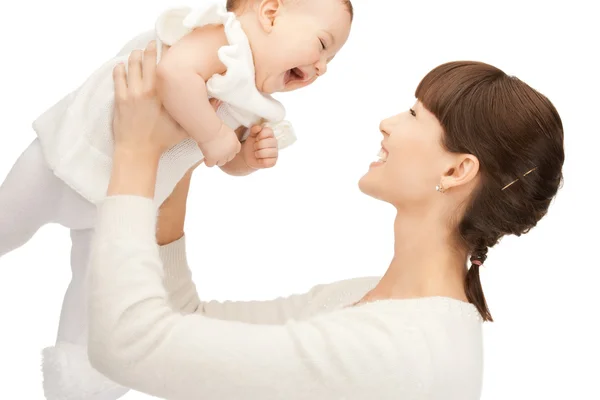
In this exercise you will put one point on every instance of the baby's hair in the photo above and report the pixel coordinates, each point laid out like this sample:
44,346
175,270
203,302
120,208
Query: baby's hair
237,5
348,5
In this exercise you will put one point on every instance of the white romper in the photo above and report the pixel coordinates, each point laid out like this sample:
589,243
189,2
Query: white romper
76,133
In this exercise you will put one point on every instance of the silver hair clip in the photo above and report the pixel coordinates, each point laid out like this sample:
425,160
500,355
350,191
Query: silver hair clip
524,175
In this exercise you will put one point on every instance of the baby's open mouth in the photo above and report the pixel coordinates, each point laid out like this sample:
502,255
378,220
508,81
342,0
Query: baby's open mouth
294,74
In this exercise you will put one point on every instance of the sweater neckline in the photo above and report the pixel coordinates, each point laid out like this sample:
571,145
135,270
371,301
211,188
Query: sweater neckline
438,303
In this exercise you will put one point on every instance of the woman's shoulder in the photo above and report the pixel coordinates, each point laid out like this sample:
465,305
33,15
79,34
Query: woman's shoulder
345,293
428,307
338,294
439,340
445,325
439,319
433,342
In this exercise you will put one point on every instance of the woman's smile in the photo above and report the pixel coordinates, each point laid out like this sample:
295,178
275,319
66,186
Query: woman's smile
381,157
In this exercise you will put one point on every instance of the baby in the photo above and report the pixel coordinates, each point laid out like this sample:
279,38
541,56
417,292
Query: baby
239,54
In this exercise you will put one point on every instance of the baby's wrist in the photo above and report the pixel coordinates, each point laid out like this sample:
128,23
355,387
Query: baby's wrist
247,166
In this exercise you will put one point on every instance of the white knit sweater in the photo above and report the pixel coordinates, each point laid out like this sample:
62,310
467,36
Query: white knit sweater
149,331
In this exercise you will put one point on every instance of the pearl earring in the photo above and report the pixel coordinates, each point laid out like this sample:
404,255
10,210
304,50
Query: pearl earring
439,188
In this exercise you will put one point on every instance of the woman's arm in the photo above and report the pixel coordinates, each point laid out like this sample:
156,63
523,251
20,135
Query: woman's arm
183,296
181,290
139,341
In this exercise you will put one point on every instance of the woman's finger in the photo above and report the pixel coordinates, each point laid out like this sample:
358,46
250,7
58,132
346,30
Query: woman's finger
134,72
120,80
149,67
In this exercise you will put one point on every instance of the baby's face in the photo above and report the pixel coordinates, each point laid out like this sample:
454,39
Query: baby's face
303,39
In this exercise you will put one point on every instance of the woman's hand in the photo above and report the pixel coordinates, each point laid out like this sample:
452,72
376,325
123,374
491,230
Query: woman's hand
142,128
140,122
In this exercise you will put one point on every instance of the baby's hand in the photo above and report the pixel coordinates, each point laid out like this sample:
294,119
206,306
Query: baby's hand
260,149
222,148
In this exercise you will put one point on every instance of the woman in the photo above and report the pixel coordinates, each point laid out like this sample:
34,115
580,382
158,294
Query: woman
479,156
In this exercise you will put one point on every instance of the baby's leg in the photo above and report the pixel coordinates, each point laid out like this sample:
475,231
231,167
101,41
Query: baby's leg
68,374
72,327
29,198
66,368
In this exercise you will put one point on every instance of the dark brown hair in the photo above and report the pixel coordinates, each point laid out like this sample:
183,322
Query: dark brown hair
236,5
511,129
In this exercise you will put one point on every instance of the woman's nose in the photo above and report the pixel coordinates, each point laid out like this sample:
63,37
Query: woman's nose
384,127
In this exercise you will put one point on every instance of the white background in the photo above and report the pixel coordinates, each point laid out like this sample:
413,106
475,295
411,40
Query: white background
305,222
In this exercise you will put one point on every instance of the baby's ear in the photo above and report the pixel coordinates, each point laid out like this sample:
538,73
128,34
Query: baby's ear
268,11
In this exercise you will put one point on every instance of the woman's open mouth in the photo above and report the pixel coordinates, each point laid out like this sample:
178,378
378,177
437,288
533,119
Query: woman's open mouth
381,158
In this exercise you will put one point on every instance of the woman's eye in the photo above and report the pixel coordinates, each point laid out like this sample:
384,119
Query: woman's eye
413,113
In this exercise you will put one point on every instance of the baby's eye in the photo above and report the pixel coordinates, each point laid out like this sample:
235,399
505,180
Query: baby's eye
322,44
413,113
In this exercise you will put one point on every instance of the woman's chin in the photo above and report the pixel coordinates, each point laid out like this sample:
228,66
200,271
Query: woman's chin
373,184
368,184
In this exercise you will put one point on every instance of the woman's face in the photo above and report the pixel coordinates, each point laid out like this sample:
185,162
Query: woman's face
412,159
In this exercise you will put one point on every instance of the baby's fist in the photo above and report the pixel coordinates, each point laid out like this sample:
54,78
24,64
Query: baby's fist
260,150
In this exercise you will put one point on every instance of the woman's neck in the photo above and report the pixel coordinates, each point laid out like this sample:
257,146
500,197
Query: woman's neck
426,262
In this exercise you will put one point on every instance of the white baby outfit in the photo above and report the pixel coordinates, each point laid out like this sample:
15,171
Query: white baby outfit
76,134
65,172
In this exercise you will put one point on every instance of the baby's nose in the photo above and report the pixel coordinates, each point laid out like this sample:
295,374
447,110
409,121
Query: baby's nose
321,67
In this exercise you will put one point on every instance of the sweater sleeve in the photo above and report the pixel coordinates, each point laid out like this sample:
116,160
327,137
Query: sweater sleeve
139,341
183,295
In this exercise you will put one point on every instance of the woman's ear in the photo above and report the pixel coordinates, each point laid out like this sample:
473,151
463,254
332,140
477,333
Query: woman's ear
268,10
463,171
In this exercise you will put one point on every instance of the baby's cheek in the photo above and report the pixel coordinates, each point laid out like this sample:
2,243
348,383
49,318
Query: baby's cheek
302,56
315,57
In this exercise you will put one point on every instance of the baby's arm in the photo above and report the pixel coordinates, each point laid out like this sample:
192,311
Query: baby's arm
181,82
